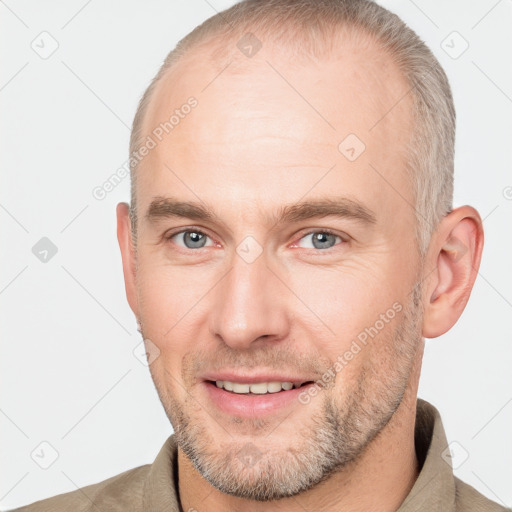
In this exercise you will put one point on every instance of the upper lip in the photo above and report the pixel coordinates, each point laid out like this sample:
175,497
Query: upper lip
254,379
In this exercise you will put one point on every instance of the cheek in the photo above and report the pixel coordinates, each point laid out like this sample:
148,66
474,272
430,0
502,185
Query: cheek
168,295
166,305
345,302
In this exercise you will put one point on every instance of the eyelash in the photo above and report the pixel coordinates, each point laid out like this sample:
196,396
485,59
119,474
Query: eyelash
326,231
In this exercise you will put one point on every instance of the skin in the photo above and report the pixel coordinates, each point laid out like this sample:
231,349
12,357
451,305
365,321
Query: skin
251,146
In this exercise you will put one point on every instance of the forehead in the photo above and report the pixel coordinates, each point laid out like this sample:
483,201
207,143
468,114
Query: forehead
262,124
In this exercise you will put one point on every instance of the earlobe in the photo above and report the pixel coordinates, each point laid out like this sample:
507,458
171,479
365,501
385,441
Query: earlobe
456,253
124,237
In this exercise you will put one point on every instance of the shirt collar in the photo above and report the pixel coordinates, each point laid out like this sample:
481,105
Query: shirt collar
434,489
161,486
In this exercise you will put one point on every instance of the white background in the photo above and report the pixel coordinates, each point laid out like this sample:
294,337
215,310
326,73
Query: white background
68,373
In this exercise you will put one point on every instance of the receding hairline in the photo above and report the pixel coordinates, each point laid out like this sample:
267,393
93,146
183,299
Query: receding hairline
219,52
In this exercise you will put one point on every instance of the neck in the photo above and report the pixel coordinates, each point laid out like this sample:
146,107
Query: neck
379,480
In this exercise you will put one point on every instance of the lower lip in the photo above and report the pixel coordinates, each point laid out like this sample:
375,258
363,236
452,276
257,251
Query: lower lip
251,405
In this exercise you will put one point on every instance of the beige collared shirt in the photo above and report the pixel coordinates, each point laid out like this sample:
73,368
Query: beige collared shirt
153,487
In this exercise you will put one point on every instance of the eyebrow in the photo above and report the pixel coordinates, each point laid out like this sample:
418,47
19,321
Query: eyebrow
342,207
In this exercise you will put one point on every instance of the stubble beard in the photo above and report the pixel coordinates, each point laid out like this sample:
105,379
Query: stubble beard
327,443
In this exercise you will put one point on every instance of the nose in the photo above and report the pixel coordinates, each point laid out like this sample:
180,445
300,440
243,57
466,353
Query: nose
249,305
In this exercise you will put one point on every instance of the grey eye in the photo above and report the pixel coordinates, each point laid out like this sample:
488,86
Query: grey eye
192,239
321,239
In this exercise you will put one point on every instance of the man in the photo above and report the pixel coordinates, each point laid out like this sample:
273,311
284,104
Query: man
289,243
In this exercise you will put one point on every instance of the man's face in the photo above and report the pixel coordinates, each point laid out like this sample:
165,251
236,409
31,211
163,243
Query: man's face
248,298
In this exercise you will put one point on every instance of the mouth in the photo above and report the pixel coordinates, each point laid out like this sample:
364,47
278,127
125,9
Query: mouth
254,399
257,388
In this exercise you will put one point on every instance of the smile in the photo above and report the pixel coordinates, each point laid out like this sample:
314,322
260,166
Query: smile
257,388
254,399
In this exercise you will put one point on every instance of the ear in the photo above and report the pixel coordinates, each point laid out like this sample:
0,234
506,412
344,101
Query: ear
128,255
455,251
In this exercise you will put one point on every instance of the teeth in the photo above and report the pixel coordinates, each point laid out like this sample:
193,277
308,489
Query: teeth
259,388
240,388
274,387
